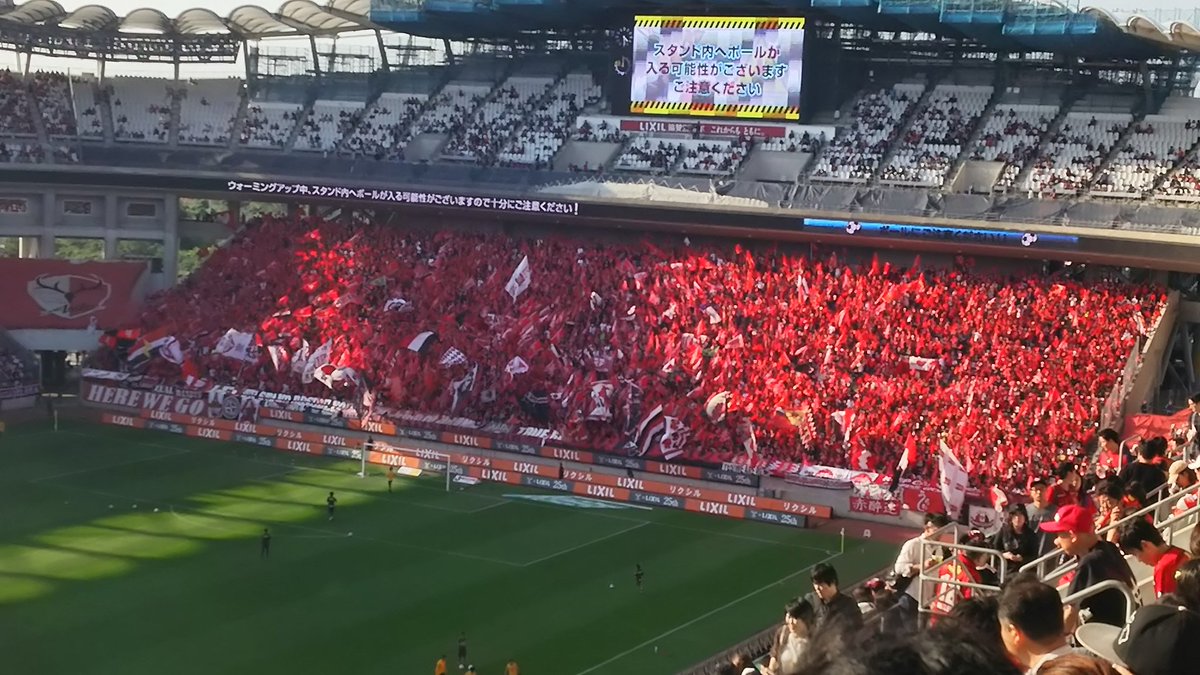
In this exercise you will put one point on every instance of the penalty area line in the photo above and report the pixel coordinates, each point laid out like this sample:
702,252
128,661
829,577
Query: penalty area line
704,616
587,543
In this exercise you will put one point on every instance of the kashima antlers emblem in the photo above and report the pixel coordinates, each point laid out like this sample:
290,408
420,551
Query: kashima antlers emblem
69,296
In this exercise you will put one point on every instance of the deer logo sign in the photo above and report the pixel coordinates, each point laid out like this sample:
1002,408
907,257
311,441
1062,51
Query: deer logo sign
69,296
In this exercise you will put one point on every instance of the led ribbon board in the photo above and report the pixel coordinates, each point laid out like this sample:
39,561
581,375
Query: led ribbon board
744,67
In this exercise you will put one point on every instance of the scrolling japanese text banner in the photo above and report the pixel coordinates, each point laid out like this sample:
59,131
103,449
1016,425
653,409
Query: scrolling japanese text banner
717,66
62,294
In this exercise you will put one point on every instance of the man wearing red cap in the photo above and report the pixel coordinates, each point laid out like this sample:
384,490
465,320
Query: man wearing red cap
1074,533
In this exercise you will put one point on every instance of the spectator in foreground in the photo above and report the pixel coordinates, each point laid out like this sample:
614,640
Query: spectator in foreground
1143,541
1075,535
909,562
829,604
1079,664
1181,477
963,568
941,650
792,640
1145,470
1108,455
1016,542
1031,624
1160,640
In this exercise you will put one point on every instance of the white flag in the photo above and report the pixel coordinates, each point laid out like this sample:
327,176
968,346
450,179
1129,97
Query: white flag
953,480
316,360
520,280
516,366
237,345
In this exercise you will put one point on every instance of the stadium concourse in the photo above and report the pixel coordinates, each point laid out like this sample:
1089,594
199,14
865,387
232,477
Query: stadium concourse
707,352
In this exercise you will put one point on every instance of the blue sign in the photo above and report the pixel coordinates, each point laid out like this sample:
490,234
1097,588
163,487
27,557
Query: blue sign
938,232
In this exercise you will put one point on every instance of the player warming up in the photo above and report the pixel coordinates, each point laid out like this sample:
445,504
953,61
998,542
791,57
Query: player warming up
330,503
265,550
462,651
439,668
511,668
391,476
638,575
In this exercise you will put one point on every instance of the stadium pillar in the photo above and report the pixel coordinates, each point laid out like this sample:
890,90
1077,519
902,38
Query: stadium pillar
170,253
382,51
316,56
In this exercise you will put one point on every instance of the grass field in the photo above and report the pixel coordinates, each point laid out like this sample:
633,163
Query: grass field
95,581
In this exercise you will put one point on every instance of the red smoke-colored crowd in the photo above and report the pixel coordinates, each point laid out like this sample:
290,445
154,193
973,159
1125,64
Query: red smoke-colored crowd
766,354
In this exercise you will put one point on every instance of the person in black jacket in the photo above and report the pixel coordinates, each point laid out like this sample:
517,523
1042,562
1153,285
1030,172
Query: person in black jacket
830,605
1016,541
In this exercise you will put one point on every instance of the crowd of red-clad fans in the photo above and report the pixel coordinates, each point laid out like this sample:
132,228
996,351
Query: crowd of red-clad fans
766,354
13,370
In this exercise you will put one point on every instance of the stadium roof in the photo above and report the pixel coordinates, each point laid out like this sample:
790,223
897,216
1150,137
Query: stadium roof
293,18
1001,25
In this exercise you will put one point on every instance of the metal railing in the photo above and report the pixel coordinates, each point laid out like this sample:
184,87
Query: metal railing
1131,600
932,546
1039,566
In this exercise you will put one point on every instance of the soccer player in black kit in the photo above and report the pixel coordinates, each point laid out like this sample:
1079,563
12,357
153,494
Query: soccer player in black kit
330,502
462,651
265,550
638,575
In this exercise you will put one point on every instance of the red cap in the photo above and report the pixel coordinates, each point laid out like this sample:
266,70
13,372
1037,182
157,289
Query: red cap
1070,518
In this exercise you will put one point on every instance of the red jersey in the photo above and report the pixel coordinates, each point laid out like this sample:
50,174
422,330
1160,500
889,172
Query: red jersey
1059,496
946,596
1164,570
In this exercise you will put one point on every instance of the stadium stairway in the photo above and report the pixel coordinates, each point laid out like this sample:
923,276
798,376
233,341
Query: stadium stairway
298,124
968,146
1070,96
1187,158
35,110
176,119
910,116
1113,152
239,121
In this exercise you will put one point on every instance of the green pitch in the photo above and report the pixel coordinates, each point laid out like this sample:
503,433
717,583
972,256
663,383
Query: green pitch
129,552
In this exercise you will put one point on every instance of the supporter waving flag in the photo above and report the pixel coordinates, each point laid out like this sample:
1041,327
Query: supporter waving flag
953,481
519,282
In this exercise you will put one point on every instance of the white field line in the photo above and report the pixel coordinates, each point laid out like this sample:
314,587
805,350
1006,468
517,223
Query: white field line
586,544
702,617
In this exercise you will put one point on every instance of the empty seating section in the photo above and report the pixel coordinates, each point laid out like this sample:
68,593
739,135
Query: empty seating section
546,129
855,153
384,129
87,107
1071,157
934,140
451,108
713,157
1155,145
15,117
269,124
327,123
141,109
793,142
53,94
657,155
208,110
506,109
1011,135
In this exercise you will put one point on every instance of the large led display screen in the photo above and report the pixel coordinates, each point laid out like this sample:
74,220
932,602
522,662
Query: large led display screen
747,67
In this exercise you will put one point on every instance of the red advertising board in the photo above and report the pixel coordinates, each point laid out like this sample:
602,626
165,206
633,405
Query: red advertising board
61,294
501,470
